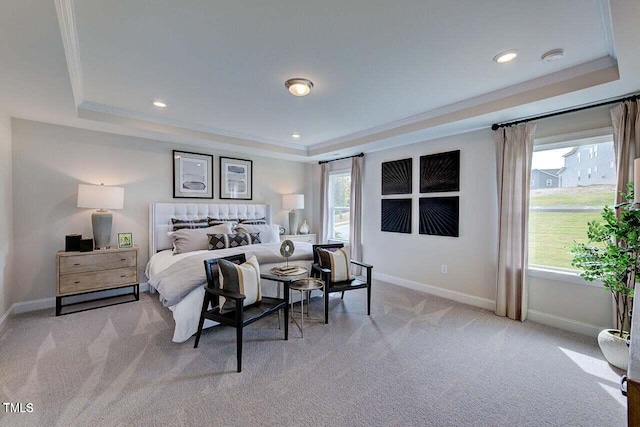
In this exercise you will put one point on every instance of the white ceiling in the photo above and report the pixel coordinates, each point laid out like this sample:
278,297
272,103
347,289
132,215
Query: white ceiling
385,73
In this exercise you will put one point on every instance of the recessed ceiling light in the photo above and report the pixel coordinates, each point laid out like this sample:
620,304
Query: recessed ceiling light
159,104
553,55
299,87
506,56
295,135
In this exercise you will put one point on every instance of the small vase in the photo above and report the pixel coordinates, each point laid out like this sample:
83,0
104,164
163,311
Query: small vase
304,228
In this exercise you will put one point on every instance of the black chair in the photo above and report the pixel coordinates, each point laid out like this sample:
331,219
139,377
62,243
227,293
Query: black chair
241,316
331,287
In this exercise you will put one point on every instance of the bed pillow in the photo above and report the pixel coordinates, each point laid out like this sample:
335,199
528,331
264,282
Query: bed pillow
219,221
229,240
195,239
180,224
242,279
257,221
339,263
268,233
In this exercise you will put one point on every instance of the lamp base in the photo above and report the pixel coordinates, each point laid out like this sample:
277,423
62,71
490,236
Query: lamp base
101,222
293,222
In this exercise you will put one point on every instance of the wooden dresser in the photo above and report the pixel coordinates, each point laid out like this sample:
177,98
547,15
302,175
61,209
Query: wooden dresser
86,272
308,238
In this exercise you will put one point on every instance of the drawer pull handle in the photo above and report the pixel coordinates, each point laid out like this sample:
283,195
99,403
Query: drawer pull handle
76,282
76,264
623,385
124,275
123,259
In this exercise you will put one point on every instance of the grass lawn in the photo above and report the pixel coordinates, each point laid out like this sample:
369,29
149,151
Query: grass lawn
551,233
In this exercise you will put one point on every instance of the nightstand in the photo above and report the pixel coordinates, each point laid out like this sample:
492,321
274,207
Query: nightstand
307,238
86,272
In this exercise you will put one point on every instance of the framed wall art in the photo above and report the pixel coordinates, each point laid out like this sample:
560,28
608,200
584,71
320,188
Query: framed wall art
440,172
439,216
192,175
125,240
397,177
396,215
236,179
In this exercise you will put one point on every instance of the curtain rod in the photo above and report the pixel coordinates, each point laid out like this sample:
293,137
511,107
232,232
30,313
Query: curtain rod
497,126
340,158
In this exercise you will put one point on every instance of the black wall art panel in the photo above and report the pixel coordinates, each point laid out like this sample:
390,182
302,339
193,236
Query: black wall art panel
440,216
396,215
396,177
440,172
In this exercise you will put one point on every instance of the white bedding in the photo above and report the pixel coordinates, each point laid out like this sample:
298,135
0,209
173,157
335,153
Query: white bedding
186,313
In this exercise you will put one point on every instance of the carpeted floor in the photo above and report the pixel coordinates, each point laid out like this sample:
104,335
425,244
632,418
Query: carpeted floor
418,360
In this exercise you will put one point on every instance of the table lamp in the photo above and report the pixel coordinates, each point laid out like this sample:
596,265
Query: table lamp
102,198
293,202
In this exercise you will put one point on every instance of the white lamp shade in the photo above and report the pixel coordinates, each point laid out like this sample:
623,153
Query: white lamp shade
293,201
100,197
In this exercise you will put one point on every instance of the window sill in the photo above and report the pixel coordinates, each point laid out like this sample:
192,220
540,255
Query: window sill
560,275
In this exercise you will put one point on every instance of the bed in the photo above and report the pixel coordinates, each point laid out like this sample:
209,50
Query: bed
179,279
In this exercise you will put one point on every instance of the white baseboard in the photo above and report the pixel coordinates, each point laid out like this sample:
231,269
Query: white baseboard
45,303
564,323
435,290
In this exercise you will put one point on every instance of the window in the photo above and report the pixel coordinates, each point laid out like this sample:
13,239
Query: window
339,201
610,165
591,152
595,151
595,169
533,182
578,157
549,183
558,215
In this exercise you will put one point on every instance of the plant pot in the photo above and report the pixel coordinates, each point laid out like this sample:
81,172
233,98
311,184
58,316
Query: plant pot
614,348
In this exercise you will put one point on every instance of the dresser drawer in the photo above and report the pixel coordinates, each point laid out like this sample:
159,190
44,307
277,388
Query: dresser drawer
104,279
97,261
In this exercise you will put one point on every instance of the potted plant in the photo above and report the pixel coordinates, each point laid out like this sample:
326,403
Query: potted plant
611,257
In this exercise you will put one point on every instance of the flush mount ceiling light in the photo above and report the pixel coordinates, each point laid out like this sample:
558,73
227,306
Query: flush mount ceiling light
299,87
553,55
506,56
159,104
295,135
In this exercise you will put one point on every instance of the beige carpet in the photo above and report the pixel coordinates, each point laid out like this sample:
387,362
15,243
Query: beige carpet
418,360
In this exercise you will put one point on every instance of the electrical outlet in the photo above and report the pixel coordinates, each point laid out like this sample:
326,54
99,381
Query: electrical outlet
443,268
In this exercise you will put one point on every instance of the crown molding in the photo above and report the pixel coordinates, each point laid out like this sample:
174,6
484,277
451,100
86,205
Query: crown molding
68,31
582,76
607,27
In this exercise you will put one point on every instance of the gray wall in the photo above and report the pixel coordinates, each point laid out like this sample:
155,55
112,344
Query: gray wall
50,161
539,180
6,212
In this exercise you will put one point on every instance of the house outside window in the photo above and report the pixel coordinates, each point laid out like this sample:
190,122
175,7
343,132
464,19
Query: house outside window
339,201
558,214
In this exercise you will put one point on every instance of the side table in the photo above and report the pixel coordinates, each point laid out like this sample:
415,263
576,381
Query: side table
305,285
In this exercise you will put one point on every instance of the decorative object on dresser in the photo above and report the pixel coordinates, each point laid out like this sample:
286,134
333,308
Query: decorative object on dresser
125,240
439,216
86,245
440,172
397,177
102,198
293,202
307,238
396,215
72,242
236,178
304,228
192,175
82,273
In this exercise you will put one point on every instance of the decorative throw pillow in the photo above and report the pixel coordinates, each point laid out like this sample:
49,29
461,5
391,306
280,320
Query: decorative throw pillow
180,224
218,221
242,279
224,241
257,221
268,233
339,263
196,239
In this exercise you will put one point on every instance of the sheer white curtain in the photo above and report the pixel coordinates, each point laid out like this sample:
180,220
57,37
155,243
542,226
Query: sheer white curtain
355,213
324,203
514,149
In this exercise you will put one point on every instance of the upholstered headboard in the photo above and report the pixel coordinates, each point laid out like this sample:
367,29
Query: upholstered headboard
160,215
